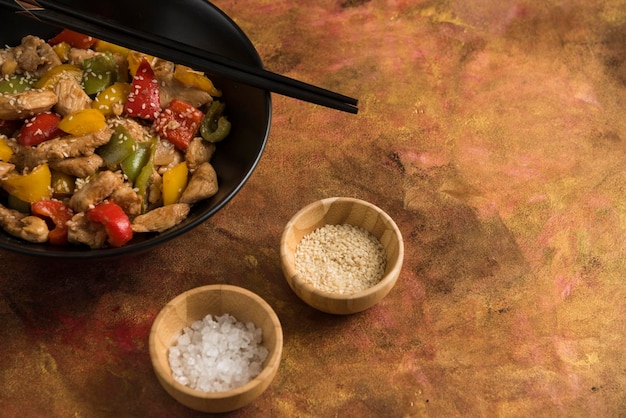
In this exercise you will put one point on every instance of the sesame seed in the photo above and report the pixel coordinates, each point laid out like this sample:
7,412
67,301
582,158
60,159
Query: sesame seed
340,259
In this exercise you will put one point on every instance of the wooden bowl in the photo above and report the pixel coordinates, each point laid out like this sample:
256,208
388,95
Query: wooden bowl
194,305
337,211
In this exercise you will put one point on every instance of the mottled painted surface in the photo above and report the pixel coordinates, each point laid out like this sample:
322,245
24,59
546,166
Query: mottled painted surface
492,132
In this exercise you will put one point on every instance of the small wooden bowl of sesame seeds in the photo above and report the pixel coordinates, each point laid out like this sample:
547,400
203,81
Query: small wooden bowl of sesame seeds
341,255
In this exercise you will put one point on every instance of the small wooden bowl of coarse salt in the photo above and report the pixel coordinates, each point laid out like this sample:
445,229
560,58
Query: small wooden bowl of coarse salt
341,255
216,348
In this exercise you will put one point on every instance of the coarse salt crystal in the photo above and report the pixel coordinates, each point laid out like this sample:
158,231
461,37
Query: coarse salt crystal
217,354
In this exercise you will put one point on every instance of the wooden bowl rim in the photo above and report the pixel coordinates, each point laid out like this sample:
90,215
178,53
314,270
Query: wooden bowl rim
272,362
391,275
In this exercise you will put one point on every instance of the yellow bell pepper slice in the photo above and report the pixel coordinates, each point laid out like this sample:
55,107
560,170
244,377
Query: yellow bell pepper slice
5,150
111,98
62,184
30,187
174,183
49,79
192,78
62,49
134,59
83,122
104,46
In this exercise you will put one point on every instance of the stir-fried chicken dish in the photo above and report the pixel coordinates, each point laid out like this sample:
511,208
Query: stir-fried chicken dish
98,142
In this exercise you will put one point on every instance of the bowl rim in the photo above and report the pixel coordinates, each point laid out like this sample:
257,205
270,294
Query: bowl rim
83,253
272,363
387,279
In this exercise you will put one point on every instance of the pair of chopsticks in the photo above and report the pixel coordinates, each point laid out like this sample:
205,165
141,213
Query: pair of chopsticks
63,16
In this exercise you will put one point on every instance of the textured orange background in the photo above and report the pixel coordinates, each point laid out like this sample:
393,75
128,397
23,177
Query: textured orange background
492,132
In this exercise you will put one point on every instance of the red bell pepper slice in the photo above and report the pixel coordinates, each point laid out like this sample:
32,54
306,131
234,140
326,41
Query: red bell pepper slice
115,221
75,39
39,128
144,99
178,123
59,214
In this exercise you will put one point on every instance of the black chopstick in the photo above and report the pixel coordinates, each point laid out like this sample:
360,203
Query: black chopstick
179,52
173,44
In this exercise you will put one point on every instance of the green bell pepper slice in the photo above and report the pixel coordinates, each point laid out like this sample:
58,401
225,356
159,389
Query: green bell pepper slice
142,182
132,165
99,72
120,146
18,204
214,126
16,83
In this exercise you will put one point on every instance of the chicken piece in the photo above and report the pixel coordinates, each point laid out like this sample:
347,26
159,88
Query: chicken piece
127,199
161,219
171,89
162,67
5,168
26,104
202,184
139,132
8,64
36,56
199,151
79,166
76,56
95,191
21,225
82,231
154,188
71,96
166,156
61,148
121,60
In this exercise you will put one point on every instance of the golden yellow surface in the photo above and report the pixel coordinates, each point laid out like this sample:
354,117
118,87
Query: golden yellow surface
493,132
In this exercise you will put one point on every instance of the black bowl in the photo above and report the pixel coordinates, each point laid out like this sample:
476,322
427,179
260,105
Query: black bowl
198,23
